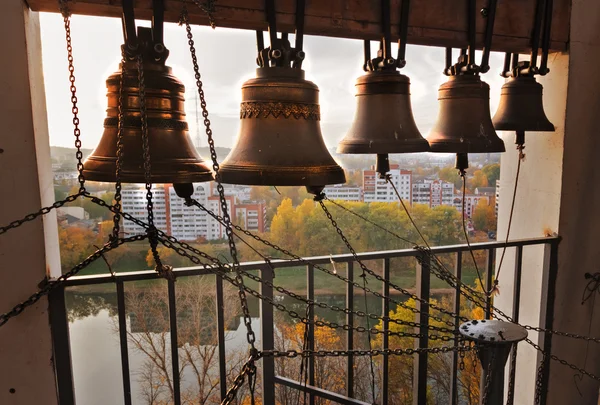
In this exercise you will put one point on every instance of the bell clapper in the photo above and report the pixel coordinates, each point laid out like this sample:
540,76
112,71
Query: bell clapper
520,141
462,163
382,164
184,190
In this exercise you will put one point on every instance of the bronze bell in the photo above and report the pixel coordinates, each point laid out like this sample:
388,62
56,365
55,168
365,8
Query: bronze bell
521,107
173,157
280,141
464,124
383,121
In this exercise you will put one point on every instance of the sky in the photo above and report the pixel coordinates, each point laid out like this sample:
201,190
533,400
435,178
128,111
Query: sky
226,59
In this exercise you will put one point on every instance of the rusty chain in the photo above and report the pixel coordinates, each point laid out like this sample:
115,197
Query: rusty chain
488,379
329,272
250,335
48,285
119,161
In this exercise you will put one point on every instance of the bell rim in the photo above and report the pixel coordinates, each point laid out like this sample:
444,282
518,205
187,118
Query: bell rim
281,176
363,148
137,178
467,147
508,126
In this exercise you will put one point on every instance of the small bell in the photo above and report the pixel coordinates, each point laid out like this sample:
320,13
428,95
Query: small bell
464,124
521,107
280,141
383,122
173,157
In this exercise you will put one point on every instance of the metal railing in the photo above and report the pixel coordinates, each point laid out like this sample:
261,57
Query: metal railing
60,323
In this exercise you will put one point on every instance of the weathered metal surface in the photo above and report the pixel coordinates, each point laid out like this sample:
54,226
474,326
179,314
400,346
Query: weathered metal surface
173,157
383,121
493,331
432,22
464,124
280,141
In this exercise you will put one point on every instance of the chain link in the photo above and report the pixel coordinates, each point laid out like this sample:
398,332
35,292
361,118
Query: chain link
49,285
336,275
251,337
247,369
119,161
488,379
43,211
74,109
511,376
209,8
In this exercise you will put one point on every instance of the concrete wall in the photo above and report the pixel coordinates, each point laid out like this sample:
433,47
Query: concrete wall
557,193
29,253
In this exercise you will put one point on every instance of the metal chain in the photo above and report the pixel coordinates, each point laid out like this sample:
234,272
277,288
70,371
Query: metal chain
152,234
74,109
247,369
370,222
488,379
118,164
209,8
218,270
49,285
329,272
250,336
43,211
561,361
538,380
511,376
377,276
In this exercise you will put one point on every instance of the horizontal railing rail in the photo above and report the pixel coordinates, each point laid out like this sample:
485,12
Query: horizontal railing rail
60,324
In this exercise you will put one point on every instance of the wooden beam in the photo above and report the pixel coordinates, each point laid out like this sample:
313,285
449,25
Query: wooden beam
432,22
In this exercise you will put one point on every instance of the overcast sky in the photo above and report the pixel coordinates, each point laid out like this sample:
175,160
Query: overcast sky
226,58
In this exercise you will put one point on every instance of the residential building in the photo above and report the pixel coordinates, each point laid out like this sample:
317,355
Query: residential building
471,201
433,193
497,196
171,215
376,189
345,193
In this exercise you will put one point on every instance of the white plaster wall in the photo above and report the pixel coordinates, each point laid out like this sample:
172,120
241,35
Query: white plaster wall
26,185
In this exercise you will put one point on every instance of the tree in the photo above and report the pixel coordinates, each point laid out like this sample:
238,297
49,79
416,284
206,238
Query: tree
492,173
149,333
75,245
479,179
450,174
484,216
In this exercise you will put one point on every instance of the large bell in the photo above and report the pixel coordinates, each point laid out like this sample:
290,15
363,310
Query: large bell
521,107
173,157
464,124
383,121
280,141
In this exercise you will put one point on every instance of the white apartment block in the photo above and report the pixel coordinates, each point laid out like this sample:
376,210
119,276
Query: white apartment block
433,193
471,201
376,189
133,201
344,193
171,215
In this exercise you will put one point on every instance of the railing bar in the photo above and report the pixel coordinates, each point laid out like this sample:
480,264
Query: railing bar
123,342
61,346
174,346
454,378
221,337
547,314
267,334
319,260
319,392
386,325
420,360
515,316
310,294
489,274
350,332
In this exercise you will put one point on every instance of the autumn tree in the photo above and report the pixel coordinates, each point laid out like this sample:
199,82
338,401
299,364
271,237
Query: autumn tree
484,216
450,174
492,172
149,334
479,179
